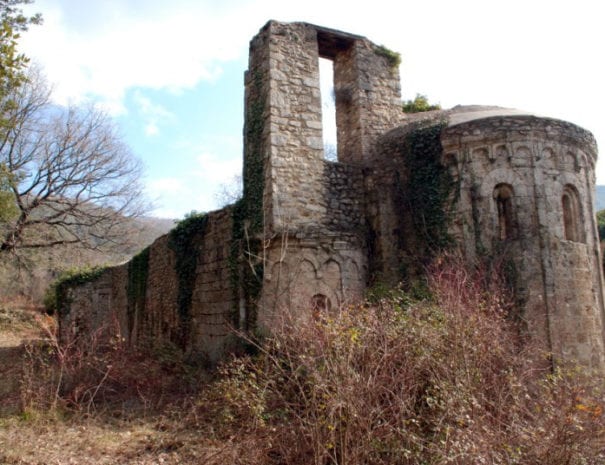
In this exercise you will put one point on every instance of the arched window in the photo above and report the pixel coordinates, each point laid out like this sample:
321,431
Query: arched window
320,302
320,305
571,214
503,195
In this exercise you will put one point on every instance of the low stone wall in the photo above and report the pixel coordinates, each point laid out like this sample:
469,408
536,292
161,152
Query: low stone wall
140,299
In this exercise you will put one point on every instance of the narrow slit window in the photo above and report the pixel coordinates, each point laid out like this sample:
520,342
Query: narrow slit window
503,195
571,214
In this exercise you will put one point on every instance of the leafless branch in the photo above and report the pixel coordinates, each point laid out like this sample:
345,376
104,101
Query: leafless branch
72,177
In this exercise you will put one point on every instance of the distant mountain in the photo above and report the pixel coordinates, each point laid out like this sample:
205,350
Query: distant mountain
600,198
30,275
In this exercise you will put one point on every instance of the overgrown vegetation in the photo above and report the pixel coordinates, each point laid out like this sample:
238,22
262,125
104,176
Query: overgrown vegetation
185,240
138,272
12,63
429,186
425,193
601,224
57,297
443,379
393,58
8,209
419,104
246,267
88,373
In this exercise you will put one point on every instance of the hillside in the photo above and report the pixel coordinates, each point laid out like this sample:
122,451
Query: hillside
29,274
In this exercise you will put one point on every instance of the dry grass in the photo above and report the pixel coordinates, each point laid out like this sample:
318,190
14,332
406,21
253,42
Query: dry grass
442,381
445,380
107,441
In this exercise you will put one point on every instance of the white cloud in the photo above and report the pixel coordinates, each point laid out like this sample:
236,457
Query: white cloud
542,56
199,188
169,47
152,113
165,185
216,170
151,129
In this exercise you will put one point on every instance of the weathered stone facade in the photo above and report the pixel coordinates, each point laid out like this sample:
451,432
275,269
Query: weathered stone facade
313,234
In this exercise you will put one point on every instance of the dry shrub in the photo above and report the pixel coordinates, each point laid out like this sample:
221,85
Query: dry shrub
98,371
445,380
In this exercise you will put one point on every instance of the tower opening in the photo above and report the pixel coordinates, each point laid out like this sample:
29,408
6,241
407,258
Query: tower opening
328,109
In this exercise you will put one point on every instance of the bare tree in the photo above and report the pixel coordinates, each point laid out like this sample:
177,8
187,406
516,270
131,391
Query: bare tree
70,177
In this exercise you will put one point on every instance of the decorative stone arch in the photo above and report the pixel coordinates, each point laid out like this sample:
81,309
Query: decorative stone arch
572,214
502,176
523,151
569,162
308,261
503,196
583,162
501,151
548,158
480,153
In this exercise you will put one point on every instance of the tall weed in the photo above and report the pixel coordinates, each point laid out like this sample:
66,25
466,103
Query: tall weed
444,380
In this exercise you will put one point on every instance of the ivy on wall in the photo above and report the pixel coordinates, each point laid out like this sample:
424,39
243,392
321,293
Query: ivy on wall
429,185
254,182
424,195
57,298
138,271
245,265
184,240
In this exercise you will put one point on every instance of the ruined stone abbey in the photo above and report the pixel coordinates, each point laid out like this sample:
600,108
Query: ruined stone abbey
311,234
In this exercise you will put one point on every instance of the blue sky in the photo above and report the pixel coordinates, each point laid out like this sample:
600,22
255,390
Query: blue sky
171,72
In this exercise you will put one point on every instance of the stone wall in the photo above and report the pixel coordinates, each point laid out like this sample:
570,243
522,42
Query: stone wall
314,226
283,96
157,318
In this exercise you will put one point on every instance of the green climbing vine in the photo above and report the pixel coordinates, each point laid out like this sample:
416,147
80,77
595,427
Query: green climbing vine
138,271
424,194
57,299
246,267
182,240
254,182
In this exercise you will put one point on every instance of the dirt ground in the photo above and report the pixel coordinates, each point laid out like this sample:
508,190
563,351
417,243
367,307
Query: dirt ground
107,442
108,437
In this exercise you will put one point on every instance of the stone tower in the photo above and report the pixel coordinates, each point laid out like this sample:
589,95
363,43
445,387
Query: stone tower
314,206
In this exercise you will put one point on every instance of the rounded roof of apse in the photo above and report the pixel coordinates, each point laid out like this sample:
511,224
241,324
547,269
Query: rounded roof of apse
465,120
464,113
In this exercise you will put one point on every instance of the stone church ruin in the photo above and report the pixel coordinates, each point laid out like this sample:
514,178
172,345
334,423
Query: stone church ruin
311,235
